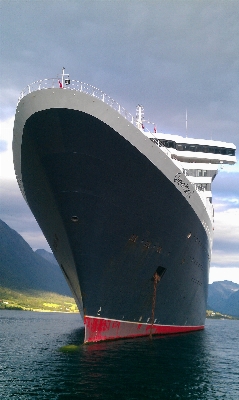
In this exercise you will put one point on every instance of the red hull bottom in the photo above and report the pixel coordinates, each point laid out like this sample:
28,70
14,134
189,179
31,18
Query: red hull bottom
99,329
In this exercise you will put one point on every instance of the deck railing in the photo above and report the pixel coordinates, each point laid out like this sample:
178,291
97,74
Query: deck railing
52,83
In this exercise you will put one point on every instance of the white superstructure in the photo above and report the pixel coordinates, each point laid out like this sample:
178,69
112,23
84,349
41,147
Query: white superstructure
200,159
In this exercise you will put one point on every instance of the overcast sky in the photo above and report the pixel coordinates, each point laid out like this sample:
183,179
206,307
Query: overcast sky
167,55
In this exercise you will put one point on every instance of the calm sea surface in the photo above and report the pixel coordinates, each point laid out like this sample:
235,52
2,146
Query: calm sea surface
200,365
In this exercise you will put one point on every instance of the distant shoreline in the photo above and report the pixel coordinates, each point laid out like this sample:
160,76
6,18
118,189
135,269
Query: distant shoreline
36,300
41,301
209,314
216,315
37,310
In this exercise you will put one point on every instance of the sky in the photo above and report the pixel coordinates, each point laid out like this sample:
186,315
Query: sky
168,55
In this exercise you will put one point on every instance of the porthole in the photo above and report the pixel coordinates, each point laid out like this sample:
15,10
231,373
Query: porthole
74,218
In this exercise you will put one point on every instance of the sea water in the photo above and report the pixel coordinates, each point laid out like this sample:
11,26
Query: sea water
42,356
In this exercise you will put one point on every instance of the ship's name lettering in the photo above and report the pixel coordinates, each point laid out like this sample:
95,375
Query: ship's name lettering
179,179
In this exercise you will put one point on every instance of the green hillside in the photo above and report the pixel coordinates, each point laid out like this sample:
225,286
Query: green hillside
23,269
36,300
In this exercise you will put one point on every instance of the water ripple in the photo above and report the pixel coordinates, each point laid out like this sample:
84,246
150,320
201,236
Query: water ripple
36,362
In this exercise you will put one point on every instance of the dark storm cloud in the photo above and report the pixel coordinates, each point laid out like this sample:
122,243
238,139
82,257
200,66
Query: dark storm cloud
167,55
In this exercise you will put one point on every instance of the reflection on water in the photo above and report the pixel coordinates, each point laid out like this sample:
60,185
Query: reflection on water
197,365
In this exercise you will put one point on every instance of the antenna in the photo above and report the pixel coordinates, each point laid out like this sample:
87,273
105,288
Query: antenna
186,123
62,77
140,116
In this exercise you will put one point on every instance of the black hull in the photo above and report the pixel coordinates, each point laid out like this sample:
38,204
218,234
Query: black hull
112,218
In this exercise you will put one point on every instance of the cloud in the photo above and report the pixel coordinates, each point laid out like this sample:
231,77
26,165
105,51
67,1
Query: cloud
231,168
8,101
226,239
225,259
16,214
3,146
222,274
224,203
6,160
225,252
225,189
169,56
226,185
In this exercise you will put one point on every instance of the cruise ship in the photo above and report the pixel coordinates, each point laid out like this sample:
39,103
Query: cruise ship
126,210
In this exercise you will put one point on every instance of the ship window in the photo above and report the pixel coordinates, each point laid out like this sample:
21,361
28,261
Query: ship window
191,172
74,218
196,147
212,150
193,147
201,187
230,152
171,144
201,172
217,150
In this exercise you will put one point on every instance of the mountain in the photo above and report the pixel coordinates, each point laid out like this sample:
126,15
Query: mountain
232,304
47,256
224,297
23,269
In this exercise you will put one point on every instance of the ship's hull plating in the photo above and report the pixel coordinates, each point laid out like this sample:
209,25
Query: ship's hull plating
112,218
